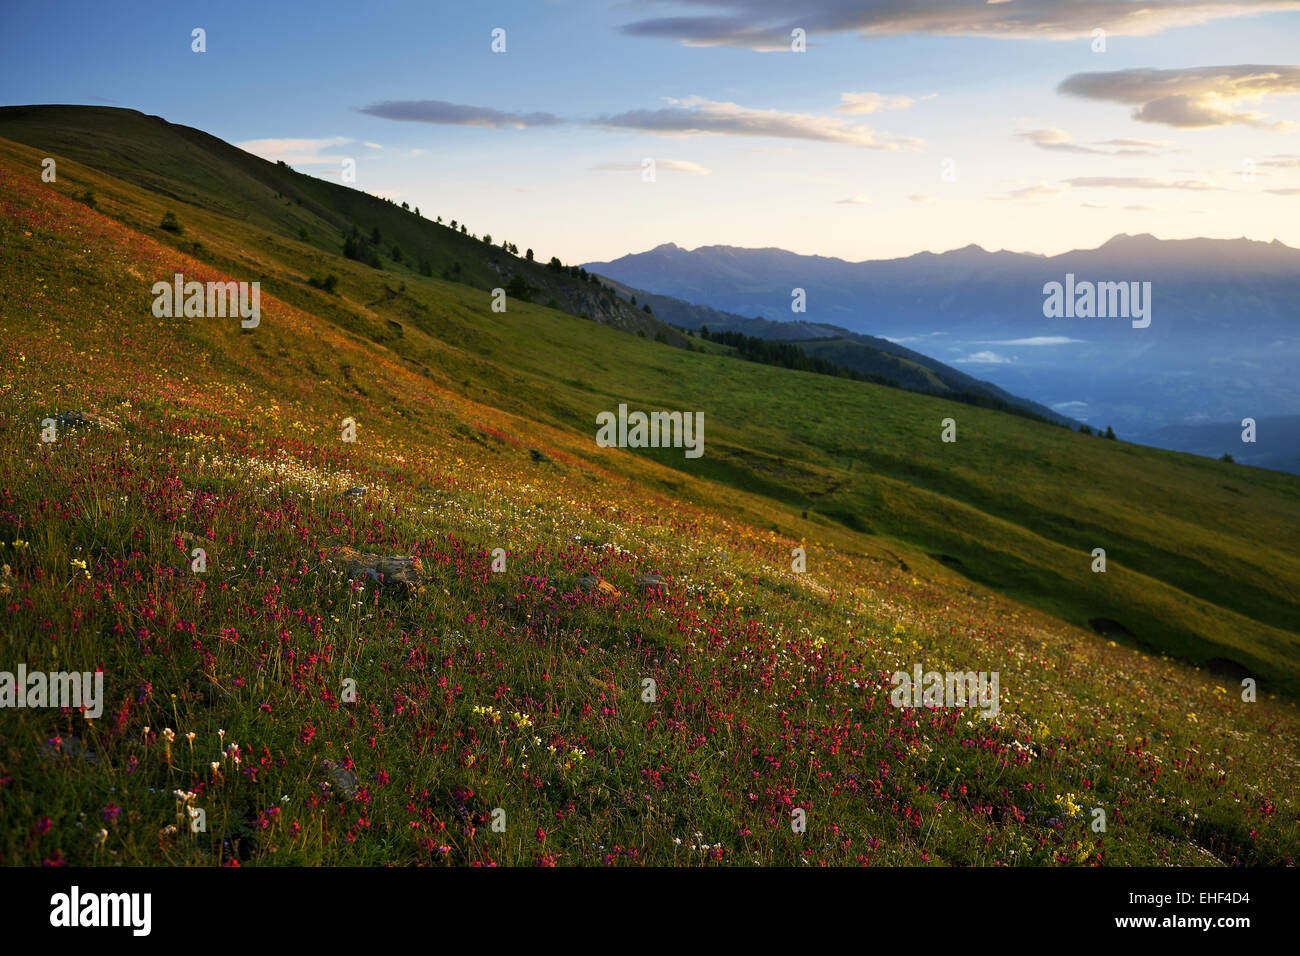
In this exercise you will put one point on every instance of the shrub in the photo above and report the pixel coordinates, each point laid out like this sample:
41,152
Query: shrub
171,223
519,288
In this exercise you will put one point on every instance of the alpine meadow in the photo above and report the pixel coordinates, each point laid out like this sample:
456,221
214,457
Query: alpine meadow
338,533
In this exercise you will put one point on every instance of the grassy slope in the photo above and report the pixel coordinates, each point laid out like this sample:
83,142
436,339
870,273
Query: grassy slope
1196,567
448,403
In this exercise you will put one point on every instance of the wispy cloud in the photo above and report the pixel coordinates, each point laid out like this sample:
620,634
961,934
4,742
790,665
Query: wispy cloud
857,199
1191,98
1061,141
693,116
983,358
669,165
296,152
1139,182
1035,340
859,103
766,25
696,116
456,114
1039,190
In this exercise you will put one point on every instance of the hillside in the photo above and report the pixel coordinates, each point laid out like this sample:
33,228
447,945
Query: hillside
525,689
863,353
199,170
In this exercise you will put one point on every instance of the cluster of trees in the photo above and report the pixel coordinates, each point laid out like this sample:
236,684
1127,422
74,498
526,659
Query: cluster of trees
358,248
784,354
1109,433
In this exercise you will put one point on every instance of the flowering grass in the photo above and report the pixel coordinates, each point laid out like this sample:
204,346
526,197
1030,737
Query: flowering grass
521,690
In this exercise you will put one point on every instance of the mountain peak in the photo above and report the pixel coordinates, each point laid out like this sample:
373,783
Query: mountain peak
1124,239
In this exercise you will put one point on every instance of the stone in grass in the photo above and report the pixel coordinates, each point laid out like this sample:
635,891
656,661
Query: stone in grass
598,585
355,494
80,419
72,748
344,780
652,582
390,571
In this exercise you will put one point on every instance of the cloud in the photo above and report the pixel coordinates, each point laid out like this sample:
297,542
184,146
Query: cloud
456,114
669,165
923,198
1139,182
1035,340
1282,161
696,116
767,24
1060,140
1039,190
1191,98
1284,192
903,340
372,145
857,199
983,358
872,103
1061,406
295,152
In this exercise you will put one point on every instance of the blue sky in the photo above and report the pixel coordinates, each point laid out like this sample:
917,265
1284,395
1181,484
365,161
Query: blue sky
838,151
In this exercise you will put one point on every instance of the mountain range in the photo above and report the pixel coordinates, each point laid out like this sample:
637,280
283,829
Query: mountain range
1221,345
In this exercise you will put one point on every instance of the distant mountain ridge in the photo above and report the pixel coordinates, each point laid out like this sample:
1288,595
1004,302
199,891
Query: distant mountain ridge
964,285
1222,344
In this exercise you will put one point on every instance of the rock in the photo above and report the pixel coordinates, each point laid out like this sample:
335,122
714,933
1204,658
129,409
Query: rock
598,585
653,583
72,748
80,419
345,780
355,494
391,571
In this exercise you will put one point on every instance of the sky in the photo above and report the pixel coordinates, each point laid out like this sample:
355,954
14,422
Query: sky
899,127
